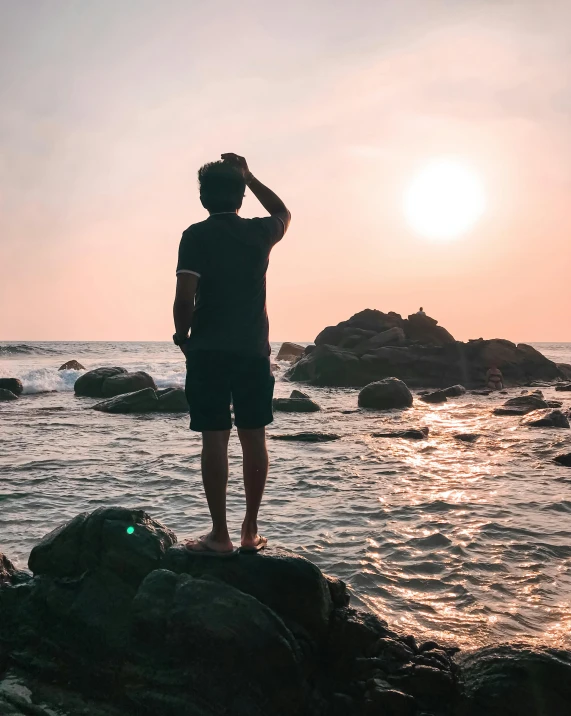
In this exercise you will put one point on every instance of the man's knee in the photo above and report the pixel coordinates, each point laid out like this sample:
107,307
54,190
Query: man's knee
255,437
215,439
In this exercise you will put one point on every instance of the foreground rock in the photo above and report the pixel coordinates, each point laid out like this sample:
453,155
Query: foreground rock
564,459
147,400
116,604
385,395
14,385
372,345
297,402
71,365
546,419
6,395
290,351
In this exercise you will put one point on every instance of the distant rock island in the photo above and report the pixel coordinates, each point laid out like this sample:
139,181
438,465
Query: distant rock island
373,345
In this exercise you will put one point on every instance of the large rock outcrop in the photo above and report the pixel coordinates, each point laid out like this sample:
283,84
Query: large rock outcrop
372,345
116,605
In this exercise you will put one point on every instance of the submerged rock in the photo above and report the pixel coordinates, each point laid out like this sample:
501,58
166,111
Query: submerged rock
385,395
172,400
308,437
123,383
90,384
546,419
6,395
437,396
454,391
14,385
295,405
71,365
412,434
141,401
290,351
564,459
529,401
467,437
563,387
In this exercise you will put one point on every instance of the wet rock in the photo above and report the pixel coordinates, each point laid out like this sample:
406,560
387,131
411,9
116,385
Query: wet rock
437,396
529,401
308,437
546,419
290,351
14,385
413,434
328,365
554,403
564,460
560,388
516,410
128,542
515,681
90,384
454,391
302,597
123,383
295,405
299,395
389,702
7,570
172,400
338,591
355,633
142,401
385,395
429,685
481,392
467,437
565,370
71,365
7,395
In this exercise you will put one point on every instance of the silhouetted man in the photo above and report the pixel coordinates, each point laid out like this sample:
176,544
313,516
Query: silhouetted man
221,299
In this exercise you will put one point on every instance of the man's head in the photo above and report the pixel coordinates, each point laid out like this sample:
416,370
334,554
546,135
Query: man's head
222,187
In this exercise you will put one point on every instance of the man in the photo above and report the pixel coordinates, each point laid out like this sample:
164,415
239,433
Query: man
221,299
421,312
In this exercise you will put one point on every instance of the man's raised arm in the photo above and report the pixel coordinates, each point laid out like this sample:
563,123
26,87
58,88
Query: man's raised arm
267,198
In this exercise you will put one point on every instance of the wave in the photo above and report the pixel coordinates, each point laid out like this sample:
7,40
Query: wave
18,349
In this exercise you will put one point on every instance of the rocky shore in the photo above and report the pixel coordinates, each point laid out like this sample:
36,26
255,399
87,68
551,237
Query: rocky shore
372,345
114,615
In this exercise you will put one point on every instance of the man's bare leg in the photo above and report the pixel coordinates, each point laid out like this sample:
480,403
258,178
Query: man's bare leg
255,463
215,481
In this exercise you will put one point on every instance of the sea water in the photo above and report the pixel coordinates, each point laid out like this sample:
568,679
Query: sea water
469,543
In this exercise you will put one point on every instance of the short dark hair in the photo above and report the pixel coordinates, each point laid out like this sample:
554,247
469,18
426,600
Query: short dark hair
222,187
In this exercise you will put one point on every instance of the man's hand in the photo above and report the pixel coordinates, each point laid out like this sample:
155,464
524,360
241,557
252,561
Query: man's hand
236,161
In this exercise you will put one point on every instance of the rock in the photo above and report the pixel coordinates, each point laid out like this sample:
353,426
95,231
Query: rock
71,365
172,400
560,388
295,405
454,391
481,392
530,401
546,419
515,681
90,384
308,437
355,633
141,401
14,385
565,370
467,437
103,537
299,395
202,637
554,403
290,351
412,434
327,365
426,330
7,570
290,585
389,702
385,395
338,591
564,459
391,337
521,411
6,395
437,396
123,383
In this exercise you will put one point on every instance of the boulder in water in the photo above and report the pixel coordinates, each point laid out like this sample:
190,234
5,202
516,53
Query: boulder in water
564,459
6,395
172,400
546,419
290,351
71,365
14,385
299,395
563,387
467,437
530,401
308,437
436,396
141,401
90,384
410,434
454,391
565,370
7,570
385,395
126,383
295,405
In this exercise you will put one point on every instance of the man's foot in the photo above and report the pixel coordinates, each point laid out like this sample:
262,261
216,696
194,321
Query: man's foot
253,544
207,545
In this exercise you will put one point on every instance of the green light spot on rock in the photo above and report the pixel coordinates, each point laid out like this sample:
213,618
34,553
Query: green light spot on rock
130,530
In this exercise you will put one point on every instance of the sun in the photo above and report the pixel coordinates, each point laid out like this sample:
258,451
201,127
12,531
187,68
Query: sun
444,200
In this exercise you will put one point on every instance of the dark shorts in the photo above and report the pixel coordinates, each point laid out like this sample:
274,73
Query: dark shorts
217,379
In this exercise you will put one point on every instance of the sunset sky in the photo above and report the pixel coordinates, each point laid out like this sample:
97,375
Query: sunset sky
108,108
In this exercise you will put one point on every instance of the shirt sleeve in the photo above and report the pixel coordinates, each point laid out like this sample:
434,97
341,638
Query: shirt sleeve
271,228
190,255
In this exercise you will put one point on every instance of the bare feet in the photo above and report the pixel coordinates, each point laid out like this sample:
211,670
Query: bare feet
209,544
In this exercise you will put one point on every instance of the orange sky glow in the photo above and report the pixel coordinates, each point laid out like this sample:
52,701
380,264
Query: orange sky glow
108,109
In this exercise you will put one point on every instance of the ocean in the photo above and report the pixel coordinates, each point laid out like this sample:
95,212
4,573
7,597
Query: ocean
465,543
